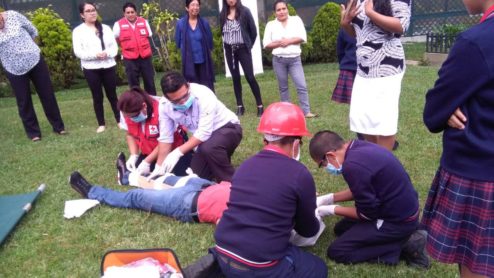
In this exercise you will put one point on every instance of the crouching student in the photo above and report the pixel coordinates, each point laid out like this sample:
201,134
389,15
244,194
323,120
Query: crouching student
382,226
271,194
188,199
140,118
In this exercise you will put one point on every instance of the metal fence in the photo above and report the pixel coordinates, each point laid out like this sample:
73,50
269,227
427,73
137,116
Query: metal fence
427,15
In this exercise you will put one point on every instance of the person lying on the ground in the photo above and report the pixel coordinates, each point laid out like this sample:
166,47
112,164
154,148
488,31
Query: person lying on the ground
197,200
188,198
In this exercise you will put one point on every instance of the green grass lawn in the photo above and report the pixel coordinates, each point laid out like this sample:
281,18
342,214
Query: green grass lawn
47,245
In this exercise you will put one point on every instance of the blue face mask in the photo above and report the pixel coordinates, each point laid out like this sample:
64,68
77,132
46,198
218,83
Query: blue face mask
185,106
333,170
139,118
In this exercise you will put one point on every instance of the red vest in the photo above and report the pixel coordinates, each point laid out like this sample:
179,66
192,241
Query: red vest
147,140
134,42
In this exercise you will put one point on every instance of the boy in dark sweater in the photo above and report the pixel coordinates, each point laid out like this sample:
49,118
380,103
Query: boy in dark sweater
379,227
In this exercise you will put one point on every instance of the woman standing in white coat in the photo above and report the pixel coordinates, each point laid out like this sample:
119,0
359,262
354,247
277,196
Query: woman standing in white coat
94,43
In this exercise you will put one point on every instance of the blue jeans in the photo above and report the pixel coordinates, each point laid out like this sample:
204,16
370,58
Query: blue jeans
174,202
296,263
293,66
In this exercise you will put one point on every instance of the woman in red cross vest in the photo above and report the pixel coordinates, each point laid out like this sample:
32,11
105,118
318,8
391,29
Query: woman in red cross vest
140,118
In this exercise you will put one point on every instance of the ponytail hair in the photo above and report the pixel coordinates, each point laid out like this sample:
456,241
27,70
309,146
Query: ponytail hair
98,24
131,101
383,7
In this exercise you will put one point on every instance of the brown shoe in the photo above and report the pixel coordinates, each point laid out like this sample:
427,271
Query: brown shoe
311,115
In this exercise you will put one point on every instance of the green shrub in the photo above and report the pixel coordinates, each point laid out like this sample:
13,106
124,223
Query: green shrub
217,54
174,56
120,69
55,41
5,90
324,33
163,23
453,30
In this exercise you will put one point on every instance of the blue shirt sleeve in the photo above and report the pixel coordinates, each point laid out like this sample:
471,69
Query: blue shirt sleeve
359,179
306,223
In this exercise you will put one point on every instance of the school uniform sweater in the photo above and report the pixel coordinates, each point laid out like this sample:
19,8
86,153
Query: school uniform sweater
346,47
380,185
466,81
270,194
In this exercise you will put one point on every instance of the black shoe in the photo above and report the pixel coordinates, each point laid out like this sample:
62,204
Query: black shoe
414,251
240,110
396,145
80,184
260,110
121,168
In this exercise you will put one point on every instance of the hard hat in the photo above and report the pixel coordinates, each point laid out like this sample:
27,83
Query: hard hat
283,118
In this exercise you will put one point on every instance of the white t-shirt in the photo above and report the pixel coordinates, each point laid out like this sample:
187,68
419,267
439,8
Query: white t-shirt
276,31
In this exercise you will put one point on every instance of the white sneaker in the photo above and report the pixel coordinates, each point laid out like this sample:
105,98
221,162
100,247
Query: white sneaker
100,129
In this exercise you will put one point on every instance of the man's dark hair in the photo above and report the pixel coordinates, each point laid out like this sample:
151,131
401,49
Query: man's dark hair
324,141
172,81
129,5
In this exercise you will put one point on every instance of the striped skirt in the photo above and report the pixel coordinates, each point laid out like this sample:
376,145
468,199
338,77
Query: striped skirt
459,217
342,92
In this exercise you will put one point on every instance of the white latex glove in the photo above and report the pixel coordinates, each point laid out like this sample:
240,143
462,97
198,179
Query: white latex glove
171,160
131,162
327,199
144,168
158,171
326,210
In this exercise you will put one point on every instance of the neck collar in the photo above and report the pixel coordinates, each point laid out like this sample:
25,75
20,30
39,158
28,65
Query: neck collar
487,14
275,148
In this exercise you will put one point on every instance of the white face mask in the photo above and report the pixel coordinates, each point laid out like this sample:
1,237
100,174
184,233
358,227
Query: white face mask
297,158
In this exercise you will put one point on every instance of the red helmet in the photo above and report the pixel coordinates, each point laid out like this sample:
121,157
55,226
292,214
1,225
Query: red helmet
283,118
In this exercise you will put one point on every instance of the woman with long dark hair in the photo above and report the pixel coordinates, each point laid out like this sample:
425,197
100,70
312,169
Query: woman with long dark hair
94,43
140,118
194,39
378,26
239,34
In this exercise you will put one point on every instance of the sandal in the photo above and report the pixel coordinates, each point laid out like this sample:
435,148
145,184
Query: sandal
36,139
61,132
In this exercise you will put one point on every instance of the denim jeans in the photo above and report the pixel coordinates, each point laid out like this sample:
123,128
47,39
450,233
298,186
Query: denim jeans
174,202
296,263
293,67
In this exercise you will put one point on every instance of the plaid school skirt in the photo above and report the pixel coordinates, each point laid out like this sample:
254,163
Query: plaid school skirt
342,92
459,217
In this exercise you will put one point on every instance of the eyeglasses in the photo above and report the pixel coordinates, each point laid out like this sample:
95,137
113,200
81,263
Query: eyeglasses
90,11
180,99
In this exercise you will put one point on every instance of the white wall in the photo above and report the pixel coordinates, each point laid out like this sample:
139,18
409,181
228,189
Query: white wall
256,49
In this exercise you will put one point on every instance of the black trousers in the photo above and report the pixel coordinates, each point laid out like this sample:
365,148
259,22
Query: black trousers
97,79
202,76
141,67
362,241
40,77
212,160
241,54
